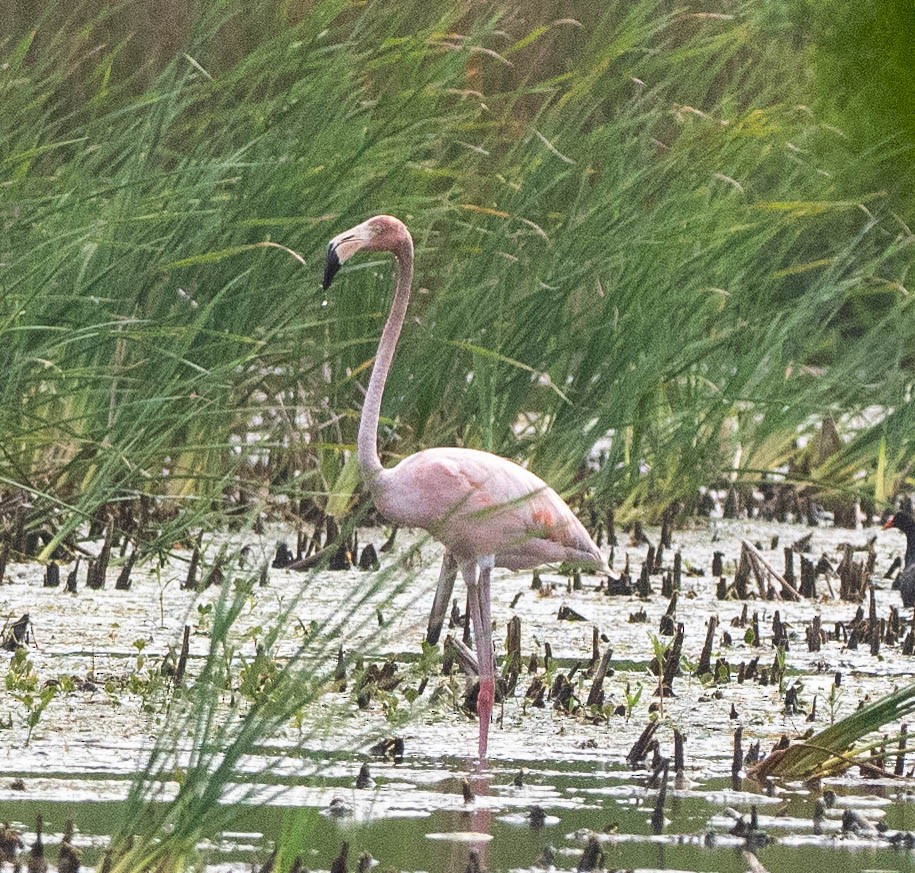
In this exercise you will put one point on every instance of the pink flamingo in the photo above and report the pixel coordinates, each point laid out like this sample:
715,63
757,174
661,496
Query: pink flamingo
488,511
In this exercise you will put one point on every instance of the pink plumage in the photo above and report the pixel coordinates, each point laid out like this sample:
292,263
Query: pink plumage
477,503
486,510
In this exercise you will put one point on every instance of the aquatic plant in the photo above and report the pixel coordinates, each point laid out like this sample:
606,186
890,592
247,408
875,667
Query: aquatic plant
24,686
838,747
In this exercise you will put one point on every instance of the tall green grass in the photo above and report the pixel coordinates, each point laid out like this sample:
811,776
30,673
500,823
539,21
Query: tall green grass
632,224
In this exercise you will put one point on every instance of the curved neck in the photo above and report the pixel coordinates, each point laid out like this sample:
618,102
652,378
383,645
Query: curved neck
367,441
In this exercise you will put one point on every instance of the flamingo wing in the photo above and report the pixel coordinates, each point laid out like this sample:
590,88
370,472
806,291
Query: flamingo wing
479,504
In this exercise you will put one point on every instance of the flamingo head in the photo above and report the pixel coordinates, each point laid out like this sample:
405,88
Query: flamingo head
381,233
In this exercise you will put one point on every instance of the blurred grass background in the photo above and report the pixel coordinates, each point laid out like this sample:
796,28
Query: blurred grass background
673,237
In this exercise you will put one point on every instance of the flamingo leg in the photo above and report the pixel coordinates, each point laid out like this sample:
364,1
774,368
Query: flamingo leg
443,591
480,614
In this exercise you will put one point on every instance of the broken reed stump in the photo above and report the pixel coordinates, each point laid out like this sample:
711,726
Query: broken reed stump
764,571
672,660
17,634
123,580
364,779
512,668
853,576
637,535
899,769
339,681
282,557
69,856
669,665
181,666
704,667
777,673
592,858
566,613
338,865
737,758
562,692
679,755
71,578
875,625
666,627
779,632
52,575
742,576
610,527
644,584
718,564
666,526
368,560
92,578
536,692
808,578
215,575
596,694
657,816
814,634
190,581
98,568
640,747
791,700
740,620
37,862
105,556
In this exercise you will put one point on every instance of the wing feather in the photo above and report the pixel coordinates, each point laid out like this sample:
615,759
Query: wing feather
480,504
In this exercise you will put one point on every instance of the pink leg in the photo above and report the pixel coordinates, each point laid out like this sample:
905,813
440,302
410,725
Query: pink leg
478,589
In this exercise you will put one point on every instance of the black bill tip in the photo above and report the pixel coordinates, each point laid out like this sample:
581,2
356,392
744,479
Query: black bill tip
331,265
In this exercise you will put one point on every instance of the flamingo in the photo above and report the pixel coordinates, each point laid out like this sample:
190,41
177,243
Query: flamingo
486,510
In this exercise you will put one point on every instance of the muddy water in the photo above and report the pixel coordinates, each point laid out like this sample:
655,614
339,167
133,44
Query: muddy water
90,741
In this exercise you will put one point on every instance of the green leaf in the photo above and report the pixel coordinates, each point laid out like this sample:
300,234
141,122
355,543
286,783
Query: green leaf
344,487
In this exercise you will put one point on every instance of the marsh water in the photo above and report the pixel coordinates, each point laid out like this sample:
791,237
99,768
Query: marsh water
93,739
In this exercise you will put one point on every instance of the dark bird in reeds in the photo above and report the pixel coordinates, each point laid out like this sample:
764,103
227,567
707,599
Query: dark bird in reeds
905,581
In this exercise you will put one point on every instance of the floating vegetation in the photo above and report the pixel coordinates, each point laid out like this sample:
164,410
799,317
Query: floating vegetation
837,748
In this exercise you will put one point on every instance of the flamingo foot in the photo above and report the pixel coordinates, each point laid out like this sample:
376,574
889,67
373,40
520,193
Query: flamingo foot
485,698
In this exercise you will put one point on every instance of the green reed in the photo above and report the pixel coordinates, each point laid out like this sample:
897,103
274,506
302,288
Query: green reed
632,234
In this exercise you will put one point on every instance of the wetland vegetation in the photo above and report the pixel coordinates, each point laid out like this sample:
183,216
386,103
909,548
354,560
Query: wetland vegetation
663,257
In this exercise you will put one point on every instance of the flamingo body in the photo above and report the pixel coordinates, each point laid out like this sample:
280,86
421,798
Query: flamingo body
477,503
